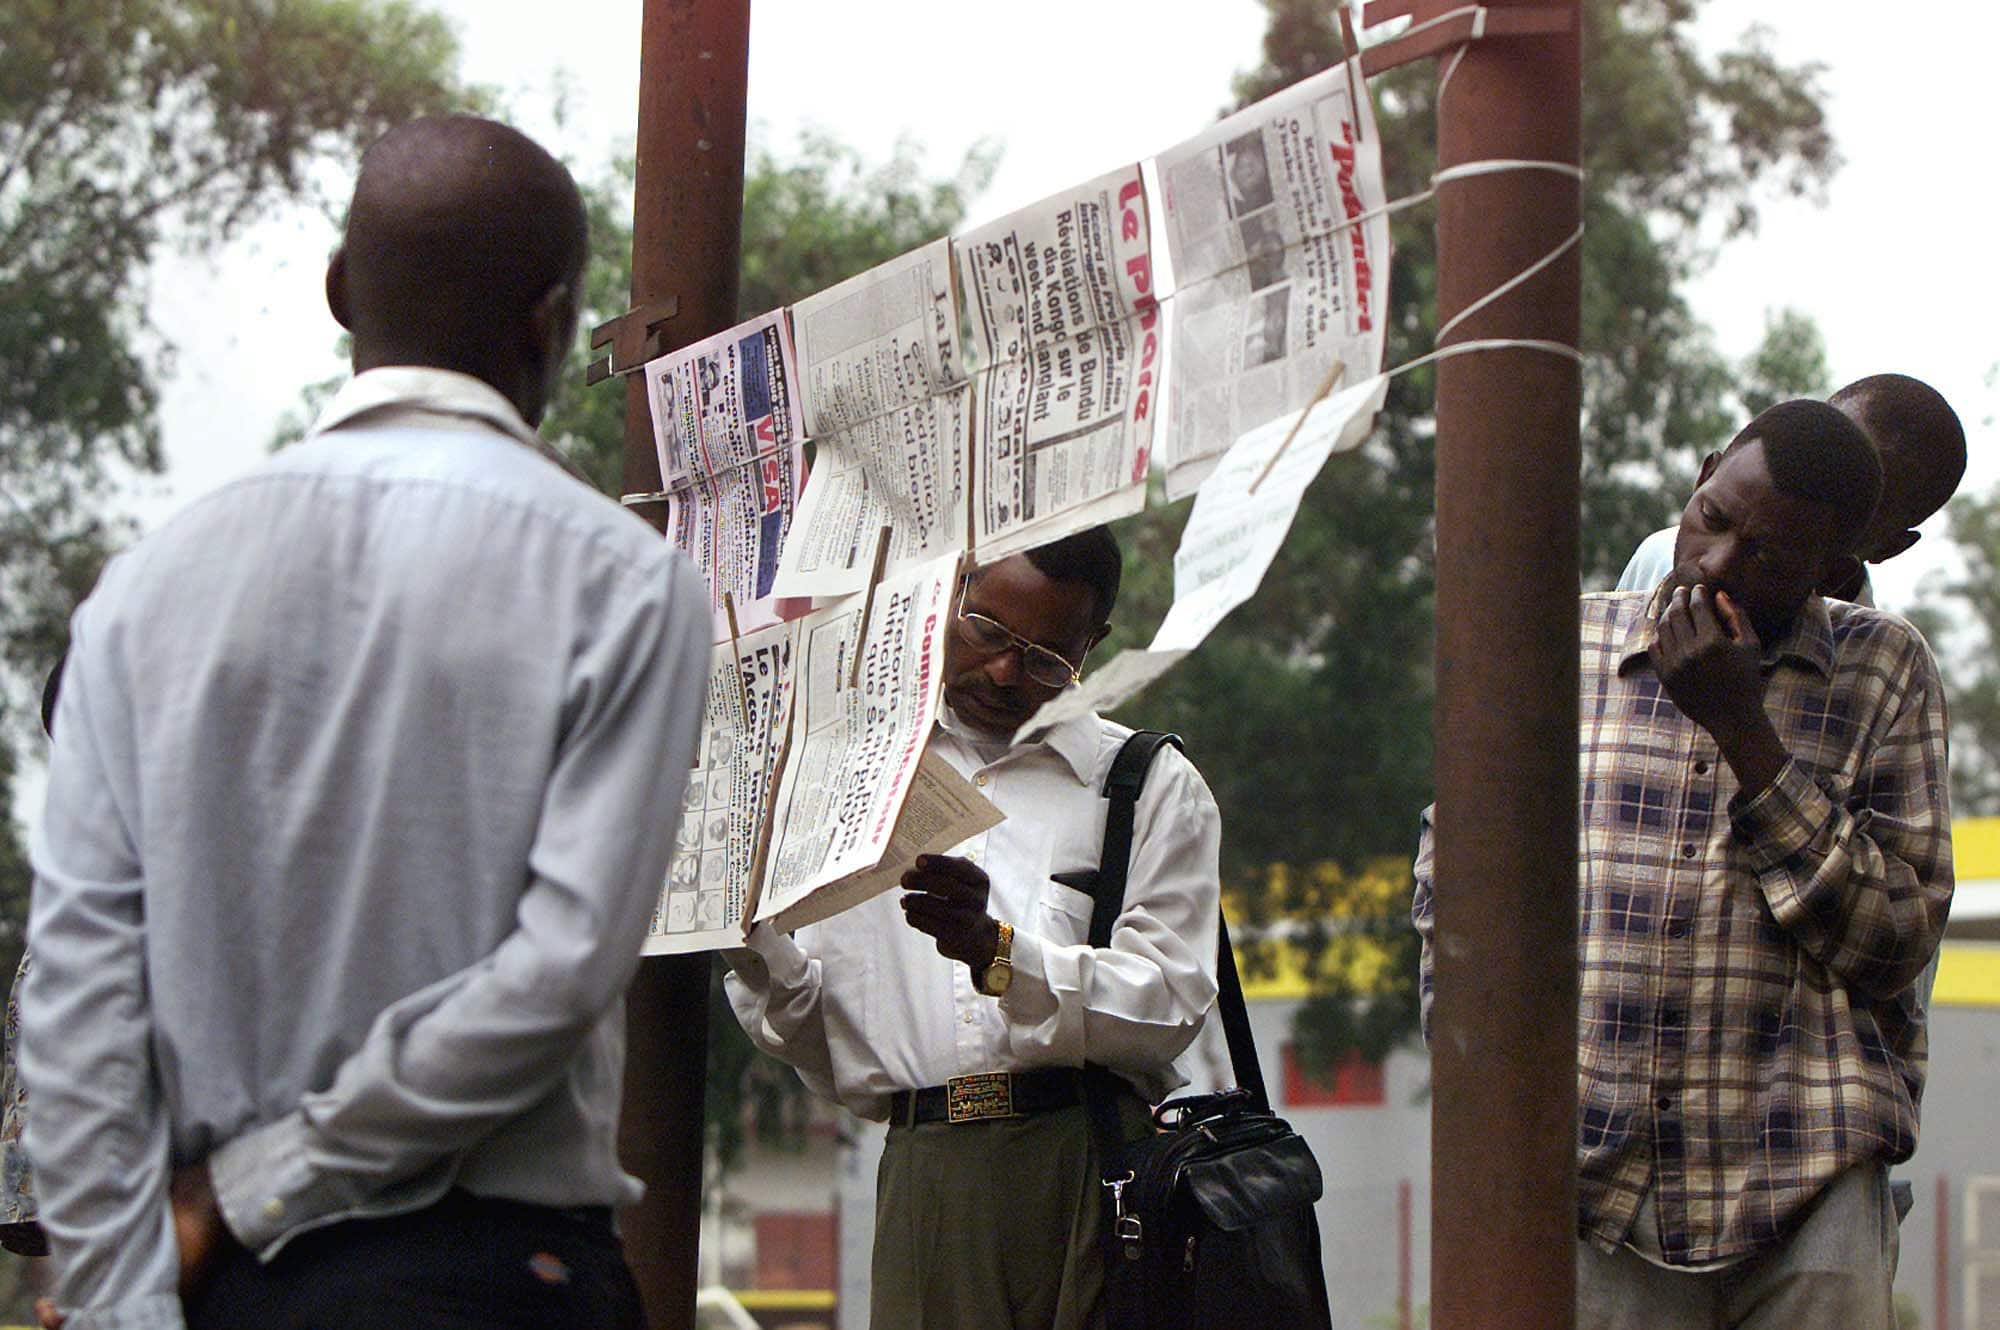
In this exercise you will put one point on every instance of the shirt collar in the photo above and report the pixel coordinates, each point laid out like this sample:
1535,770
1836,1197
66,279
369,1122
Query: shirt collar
1073,740
1808,642
440,392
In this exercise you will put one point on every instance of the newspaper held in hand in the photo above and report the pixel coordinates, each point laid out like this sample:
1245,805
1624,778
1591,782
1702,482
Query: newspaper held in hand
1240,519
1070,344
941,811
730,435
1281,264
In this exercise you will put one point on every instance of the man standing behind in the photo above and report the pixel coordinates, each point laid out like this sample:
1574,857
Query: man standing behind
1922,446
369,769
964,1010
1765,869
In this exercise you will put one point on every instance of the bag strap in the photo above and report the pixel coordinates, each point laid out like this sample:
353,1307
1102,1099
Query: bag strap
1122,786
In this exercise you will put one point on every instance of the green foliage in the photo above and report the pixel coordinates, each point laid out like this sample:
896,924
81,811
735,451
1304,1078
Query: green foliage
1971,676
126,125
1309,709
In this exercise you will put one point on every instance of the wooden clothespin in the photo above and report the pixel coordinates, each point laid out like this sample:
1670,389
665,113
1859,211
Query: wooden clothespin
634,338
1333,377
736,655
868,608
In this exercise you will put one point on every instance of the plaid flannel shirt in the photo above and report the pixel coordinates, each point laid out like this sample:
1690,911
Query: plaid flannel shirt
1748,1024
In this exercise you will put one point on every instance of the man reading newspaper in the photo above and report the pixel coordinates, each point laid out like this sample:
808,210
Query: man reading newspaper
963,1011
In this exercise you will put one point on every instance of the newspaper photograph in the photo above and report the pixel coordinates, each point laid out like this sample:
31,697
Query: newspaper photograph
905,470
885,339
706,900
1276,277
734,526
1070,344
862,714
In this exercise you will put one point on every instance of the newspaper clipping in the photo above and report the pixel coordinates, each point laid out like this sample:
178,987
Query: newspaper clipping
1276,279
730,434
1070,340
708,892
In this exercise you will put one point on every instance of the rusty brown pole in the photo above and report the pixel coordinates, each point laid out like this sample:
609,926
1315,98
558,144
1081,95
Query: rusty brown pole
687,226
1503,1033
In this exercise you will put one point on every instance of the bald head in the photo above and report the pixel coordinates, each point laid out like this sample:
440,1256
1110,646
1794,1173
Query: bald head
464,250
1922,445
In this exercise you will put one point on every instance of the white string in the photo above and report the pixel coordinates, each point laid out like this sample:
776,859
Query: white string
1563,349
1478,13
1501,165
1575,238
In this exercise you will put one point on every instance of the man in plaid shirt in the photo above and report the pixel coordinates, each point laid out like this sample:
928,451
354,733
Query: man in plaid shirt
1765,869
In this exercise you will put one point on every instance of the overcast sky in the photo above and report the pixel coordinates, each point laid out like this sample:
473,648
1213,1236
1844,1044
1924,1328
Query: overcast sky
1889,292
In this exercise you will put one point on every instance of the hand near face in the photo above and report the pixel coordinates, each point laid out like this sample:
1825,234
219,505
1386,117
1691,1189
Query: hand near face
1708,659
947,900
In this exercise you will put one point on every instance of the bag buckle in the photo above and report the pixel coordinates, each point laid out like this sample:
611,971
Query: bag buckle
984,1094
1127,1229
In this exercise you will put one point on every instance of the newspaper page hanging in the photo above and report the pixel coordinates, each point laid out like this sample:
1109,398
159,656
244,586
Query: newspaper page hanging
1276,274
708,892
886,404
858,732
729,431
1070,342
1242,513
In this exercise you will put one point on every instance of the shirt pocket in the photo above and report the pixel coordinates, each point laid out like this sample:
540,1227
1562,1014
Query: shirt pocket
1062,915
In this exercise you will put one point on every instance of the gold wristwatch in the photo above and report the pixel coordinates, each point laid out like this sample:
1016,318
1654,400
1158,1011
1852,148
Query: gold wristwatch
999,972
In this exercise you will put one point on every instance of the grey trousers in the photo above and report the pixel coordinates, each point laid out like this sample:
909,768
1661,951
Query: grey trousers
1837,1271
991,1225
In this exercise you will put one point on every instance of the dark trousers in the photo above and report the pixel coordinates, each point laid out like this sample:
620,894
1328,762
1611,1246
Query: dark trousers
466,1262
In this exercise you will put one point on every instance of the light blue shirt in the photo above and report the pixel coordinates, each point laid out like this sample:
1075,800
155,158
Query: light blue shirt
367,781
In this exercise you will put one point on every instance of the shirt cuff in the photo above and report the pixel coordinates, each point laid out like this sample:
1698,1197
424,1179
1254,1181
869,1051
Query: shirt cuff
266,1187
160,1311
783,960
1030,999
1784,819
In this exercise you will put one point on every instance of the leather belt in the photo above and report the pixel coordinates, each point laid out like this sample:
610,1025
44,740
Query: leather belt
988,1094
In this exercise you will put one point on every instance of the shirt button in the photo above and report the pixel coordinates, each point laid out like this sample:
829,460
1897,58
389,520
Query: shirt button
980,779
1663,1103
968,1018
274,1209
1701,768
1687,850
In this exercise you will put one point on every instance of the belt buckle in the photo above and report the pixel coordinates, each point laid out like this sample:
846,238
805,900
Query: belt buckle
985,1094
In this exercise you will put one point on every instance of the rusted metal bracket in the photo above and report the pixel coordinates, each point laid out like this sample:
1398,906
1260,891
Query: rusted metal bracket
634,338
1440,25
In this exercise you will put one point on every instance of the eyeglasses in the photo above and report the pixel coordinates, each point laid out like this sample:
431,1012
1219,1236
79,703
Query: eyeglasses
1047,668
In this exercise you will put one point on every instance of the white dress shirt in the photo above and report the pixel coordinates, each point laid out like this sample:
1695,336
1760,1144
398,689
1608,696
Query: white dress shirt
863,1005
367,779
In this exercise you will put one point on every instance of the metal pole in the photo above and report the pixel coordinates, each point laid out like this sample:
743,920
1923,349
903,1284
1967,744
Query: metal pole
687,223
1941,1240
1503,1035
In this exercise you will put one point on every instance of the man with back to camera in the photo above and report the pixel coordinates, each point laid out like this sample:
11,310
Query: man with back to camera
980,978
368,774
1765,870
1922,446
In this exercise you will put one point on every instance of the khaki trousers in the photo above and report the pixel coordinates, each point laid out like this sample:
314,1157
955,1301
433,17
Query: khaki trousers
993,1225
1836,1271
